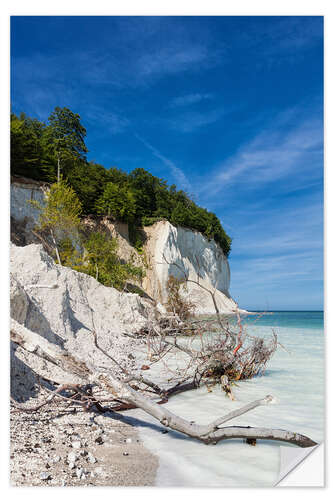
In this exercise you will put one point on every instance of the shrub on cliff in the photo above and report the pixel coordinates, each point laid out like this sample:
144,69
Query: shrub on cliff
98,257
60,214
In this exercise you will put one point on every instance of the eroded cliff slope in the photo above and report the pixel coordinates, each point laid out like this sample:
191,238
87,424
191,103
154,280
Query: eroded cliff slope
178,251
66,307
166,245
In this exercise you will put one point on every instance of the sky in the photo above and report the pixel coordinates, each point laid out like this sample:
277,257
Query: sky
230,109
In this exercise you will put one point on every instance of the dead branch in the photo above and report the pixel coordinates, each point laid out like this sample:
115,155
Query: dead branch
48,400
211,433
225,349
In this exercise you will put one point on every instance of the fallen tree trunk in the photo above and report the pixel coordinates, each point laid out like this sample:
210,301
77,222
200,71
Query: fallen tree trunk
211,433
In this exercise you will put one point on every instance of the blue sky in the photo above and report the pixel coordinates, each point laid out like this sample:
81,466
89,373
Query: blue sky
228,108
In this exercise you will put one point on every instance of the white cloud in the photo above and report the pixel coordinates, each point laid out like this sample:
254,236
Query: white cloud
192,120
271,156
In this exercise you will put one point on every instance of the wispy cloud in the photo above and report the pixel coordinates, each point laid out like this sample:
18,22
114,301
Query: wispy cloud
171,60
178,174
283,39
188,99
280,250
193,120
113,122
271,156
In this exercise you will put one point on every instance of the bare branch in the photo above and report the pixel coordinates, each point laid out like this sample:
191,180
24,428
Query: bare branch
120,390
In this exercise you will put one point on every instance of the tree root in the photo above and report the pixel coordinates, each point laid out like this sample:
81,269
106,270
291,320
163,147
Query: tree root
211,433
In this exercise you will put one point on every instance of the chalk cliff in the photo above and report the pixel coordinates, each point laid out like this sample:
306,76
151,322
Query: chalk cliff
165,246
66,307
22,191
174,251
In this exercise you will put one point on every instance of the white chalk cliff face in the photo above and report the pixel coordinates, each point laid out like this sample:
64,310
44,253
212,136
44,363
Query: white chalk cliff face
190,250
20,196
197,256
65,307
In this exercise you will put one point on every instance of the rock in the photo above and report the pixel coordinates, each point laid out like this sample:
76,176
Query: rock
76,444
125,454
71,465
128,440
56,459
99,440
91,458
79,473
44,476
71,457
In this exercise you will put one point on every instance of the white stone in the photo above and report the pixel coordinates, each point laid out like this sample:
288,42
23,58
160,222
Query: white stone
71,457
44,476
79,473
91,458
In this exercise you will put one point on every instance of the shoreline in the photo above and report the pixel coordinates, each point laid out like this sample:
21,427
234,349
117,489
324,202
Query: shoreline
58,447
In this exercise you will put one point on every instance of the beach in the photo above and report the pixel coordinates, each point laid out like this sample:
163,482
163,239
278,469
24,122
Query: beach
59,447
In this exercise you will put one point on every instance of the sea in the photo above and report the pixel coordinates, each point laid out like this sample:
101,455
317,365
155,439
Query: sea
294,377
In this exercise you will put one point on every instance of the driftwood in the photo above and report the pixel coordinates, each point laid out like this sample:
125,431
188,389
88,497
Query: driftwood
123,392
228,349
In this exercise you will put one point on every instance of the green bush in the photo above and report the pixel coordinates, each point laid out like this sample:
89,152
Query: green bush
100,260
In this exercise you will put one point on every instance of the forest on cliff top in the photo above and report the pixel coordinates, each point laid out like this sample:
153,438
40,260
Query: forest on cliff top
45,151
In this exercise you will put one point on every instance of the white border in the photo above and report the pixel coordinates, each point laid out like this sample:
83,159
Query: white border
146,7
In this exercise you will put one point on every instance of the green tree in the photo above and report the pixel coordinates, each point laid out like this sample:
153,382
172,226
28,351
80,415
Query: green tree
88,180
64,138
179,215
60,214
26,150
118,201
143,185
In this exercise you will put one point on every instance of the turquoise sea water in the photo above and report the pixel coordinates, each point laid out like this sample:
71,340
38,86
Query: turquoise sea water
294,377
288,319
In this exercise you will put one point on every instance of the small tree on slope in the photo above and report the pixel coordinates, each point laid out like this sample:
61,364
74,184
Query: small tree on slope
60,214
